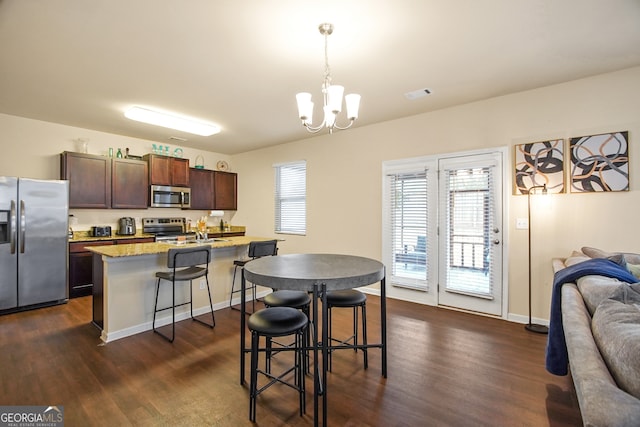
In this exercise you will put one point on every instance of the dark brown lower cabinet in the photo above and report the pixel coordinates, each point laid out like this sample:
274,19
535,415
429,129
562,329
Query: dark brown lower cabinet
81,268
81,264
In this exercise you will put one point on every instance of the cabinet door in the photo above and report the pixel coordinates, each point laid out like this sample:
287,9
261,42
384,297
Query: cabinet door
164,170
159,169
129,184
201,182
225,191
89,179
179,172
81,268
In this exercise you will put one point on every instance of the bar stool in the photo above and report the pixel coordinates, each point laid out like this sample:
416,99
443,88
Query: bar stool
345,299
270,323
286,298
257,249
194,263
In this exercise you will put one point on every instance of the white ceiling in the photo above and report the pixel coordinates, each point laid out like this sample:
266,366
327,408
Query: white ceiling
239,63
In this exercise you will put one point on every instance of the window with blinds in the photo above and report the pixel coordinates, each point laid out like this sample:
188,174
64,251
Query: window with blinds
408,226
469,214
291,198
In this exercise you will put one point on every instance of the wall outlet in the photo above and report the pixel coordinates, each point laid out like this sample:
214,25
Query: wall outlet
203,284
522,223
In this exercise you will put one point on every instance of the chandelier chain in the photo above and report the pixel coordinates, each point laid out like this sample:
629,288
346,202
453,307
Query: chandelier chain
327,69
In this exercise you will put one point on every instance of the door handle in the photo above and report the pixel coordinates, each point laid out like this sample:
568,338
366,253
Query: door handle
23,226
12,224
496,242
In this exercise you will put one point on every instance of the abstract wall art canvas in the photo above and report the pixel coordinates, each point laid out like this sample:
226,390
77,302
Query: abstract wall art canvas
600,162
539,163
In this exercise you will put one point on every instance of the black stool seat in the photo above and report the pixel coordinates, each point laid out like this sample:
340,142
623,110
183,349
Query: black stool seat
349,298
346,298
277,321
287,298
186,274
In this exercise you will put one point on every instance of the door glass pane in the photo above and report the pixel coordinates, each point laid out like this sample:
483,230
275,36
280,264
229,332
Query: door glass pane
409,217
469,216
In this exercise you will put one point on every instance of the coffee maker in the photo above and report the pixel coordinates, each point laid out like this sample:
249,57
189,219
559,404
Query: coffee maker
126,226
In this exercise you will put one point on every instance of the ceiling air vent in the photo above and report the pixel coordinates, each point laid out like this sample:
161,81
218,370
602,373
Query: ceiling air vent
415,94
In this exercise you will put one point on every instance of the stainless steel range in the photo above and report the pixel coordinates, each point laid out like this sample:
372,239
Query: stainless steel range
167,229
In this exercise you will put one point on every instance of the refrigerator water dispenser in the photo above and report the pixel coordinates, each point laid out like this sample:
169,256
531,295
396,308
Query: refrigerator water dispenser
4,227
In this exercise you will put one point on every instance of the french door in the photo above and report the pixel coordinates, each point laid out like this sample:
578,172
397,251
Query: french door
442,234
470,239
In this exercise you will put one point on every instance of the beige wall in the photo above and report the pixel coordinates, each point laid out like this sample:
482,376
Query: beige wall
344,176
344,173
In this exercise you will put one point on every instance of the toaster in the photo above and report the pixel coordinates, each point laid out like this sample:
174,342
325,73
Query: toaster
101,231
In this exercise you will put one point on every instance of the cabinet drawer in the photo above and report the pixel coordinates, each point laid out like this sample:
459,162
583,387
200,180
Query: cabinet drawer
80,246
137,240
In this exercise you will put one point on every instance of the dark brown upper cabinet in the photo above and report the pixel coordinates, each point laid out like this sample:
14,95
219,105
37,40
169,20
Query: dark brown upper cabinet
102,182
201,182
129,184
225,190
164,170
89,179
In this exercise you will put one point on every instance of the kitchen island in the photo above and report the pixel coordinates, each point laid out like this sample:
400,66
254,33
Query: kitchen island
124,284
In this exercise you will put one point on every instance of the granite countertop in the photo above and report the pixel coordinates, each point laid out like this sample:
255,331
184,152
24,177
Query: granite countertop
126,250
85,236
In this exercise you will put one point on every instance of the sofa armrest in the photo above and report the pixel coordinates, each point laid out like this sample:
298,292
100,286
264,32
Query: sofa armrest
601,402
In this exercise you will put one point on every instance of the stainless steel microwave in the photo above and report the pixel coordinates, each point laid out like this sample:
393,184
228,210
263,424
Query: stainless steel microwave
163,196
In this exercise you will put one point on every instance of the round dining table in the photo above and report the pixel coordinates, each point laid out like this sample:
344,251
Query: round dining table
316,273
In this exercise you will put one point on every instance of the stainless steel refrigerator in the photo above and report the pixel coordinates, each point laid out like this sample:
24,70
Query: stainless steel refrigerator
34,224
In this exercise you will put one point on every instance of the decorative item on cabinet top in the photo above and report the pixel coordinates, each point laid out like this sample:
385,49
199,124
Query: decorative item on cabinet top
222,166
199,162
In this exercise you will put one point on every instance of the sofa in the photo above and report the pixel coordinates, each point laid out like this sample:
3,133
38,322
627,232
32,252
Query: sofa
599,322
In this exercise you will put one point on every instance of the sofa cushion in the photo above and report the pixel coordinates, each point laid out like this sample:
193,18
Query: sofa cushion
629,257
595,289
634,269
616,330
575,258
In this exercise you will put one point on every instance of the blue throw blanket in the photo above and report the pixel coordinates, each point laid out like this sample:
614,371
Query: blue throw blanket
557,359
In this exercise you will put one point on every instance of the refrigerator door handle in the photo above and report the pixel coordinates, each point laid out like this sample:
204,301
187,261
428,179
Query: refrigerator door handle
12,224
23,226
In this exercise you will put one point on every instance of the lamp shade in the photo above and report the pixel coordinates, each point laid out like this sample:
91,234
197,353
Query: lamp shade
329,117
334,98
305,107
353,105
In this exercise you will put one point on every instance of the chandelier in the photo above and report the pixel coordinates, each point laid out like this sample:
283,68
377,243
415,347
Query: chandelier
331,95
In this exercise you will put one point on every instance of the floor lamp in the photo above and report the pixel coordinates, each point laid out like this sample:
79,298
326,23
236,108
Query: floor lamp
540,329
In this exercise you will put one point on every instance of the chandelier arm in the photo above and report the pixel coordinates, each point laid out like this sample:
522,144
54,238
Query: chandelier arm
312,129
351,121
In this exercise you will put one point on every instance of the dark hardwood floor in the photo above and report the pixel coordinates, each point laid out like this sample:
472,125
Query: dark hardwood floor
445,369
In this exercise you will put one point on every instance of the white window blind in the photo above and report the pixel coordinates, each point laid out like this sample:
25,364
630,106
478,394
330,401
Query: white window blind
469,209
410,244
291,198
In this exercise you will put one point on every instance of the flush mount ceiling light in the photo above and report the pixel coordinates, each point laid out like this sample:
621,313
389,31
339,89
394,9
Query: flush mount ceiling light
332,97
171,121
